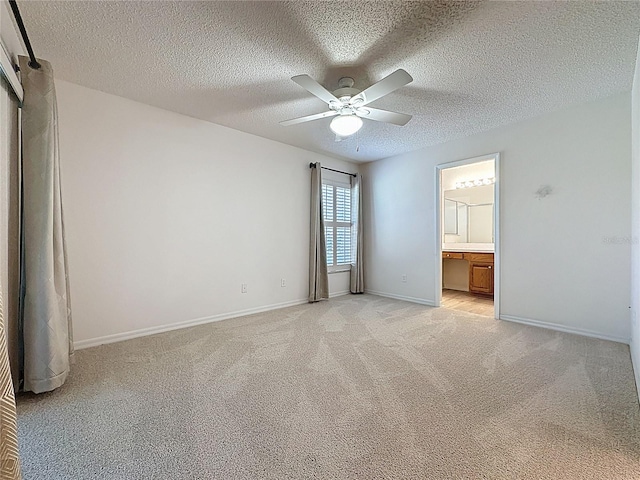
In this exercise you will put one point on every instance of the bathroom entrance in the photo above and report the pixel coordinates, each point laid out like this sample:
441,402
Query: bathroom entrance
467,236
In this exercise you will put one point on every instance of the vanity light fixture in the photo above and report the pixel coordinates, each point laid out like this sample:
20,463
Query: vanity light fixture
476,183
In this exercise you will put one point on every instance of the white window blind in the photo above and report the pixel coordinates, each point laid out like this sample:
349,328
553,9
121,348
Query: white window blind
337,217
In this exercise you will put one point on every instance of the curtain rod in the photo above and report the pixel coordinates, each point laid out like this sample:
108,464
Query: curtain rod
313,165
33,63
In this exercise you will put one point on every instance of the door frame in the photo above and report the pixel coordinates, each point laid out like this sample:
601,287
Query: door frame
496,226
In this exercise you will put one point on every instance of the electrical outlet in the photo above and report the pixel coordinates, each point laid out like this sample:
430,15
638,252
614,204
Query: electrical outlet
283,282
244,288
404,278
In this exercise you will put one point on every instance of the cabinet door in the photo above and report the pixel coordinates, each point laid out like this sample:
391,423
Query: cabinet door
481,278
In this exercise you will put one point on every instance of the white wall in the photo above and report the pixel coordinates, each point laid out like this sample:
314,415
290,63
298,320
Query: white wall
635,224
166,216
565,261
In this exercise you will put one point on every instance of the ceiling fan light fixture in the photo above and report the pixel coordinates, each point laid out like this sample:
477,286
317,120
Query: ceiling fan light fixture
345,125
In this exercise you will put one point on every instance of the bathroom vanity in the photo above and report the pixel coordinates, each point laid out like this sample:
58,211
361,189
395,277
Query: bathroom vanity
468,228
480,268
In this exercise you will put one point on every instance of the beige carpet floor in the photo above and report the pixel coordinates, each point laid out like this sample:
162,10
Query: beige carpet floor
356,387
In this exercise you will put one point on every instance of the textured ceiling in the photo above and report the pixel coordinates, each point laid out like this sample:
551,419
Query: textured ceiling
476,65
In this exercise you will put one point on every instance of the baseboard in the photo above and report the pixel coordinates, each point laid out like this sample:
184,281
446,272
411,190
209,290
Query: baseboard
564,328
339,294
635,363
143,332
421,301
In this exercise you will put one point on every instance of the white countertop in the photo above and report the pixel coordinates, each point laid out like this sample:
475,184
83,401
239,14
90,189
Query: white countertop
468,247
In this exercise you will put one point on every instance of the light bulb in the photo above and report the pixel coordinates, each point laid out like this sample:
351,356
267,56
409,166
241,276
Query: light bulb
345,125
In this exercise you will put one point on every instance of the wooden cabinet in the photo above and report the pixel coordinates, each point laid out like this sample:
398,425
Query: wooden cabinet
481,278
480,270
478,257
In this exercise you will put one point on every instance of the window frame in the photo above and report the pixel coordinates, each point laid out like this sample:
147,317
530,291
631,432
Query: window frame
334,224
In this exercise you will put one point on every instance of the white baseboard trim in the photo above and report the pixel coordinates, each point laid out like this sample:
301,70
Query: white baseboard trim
421,301
143,332
635,363
339,294
564,328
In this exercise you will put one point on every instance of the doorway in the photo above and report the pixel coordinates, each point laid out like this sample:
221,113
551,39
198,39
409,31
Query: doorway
467,235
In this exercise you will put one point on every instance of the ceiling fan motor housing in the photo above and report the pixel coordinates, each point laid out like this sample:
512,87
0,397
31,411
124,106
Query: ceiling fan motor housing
345,89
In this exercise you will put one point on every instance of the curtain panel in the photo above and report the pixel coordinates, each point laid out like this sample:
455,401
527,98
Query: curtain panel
357,270
47,340
318,275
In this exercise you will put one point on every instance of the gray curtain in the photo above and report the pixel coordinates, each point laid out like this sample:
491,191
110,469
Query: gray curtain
318,276
47,341
9,458
357,271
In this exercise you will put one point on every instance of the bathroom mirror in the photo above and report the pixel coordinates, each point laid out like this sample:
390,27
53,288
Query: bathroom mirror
468,215
450,217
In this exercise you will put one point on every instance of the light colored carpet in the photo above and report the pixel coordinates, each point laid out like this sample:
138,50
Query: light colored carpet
356,387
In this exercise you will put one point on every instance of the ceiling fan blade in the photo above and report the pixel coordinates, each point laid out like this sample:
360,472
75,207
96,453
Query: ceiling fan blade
308,118
383,115
388,84
313,87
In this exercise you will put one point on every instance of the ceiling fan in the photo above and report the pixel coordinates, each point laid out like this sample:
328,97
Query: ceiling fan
350,105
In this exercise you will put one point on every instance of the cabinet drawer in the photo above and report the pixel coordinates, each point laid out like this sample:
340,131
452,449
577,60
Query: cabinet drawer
479,257
457,255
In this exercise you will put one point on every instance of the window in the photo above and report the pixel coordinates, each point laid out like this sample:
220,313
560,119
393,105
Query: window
336,204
